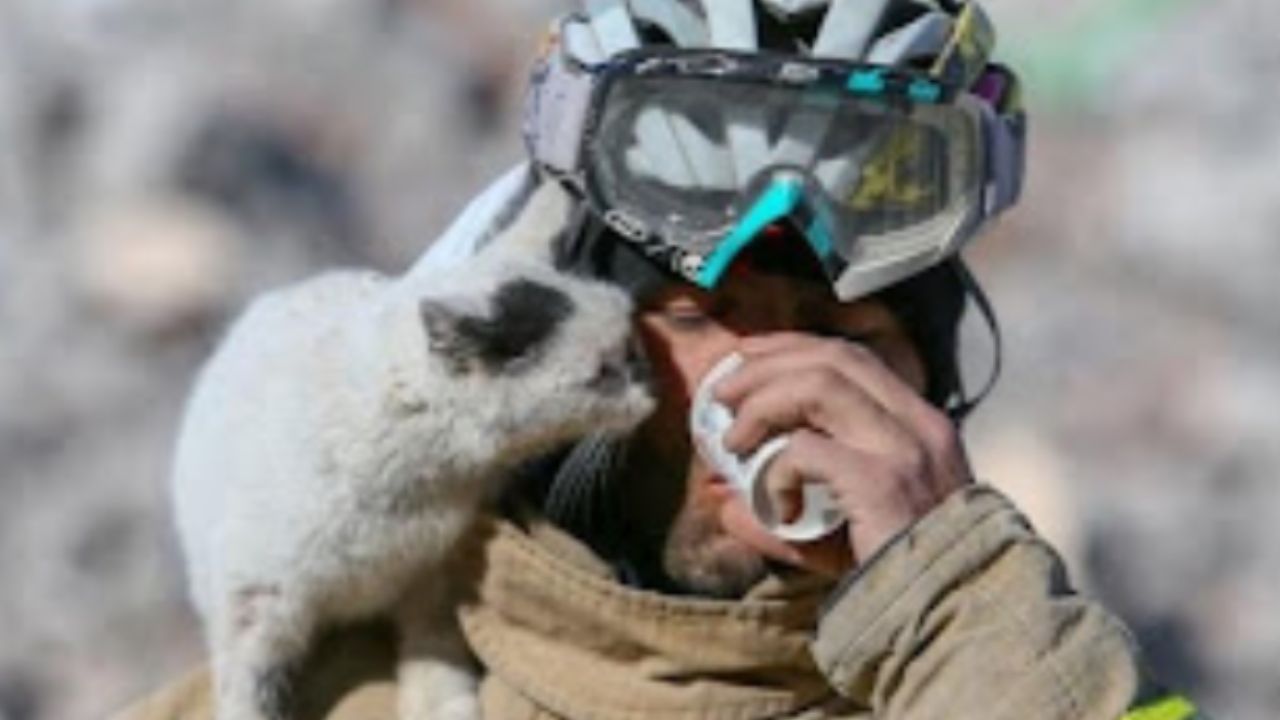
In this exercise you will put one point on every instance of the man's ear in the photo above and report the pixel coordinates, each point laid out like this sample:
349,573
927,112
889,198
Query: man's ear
539,224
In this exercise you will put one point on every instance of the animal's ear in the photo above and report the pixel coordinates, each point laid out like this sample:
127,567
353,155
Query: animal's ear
447,336
523,317
539,225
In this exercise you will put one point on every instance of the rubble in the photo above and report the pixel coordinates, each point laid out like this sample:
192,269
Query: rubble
161,163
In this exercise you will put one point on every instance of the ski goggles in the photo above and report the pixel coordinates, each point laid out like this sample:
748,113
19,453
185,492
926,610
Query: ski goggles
693,154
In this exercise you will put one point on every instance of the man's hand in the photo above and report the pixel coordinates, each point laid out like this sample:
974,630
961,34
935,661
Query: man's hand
887,455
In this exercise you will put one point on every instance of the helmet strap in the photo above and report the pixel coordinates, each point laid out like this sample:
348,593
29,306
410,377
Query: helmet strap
962,404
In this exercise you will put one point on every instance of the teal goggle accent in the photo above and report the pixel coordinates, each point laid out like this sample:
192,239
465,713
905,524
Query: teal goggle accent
784,200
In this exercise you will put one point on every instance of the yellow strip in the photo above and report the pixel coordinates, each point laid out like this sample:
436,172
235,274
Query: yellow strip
1173,707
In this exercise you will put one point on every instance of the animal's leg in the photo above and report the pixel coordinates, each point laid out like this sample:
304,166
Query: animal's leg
437,672
261,640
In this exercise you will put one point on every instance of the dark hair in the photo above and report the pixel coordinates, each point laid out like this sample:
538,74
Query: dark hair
930,306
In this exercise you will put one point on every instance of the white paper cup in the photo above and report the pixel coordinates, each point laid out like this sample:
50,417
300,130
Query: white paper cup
709,420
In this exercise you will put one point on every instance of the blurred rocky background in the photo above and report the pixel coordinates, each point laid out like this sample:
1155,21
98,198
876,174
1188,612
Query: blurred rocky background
163,161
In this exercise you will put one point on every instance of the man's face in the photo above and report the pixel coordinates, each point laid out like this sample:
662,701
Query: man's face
671,492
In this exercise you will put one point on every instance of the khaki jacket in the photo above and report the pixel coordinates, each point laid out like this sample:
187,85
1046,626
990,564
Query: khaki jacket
966,615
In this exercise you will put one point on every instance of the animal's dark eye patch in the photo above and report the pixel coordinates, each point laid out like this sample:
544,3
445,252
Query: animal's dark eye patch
525,316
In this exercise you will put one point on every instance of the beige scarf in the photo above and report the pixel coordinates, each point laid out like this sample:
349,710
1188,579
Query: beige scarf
561,639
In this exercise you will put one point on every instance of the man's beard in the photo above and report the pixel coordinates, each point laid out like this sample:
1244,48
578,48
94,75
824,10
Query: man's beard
701,559
629,501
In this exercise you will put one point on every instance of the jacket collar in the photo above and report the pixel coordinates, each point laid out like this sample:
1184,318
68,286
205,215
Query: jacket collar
549,621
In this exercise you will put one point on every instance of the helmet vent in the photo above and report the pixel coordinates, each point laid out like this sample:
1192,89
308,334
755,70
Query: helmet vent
653,34
794,34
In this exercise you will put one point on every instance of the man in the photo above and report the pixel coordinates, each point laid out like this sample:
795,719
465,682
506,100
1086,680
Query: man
788,203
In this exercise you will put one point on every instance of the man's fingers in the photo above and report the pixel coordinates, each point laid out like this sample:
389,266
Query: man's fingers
807,458
756,345
887,456
790,353
785,492
822,399
879,495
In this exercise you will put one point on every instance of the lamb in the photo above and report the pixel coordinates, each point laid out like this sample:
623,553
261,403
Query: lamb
348,431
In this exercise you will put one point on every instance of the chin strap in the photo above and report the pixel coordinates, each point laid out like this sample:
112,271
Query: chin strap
962,405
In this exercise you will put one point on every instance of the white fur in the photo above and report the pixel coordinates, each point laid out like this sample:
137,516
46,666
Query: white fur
329,457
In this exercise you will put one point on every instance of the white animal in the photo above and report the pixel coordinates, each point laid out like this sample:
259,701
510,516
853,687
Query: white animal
348,430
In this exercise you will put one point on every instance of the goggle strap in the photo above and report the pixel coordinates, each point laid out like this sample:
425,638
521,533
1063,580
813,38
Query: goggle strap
963,405
1000,87
1006,161
1005,139
559,100
556,111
